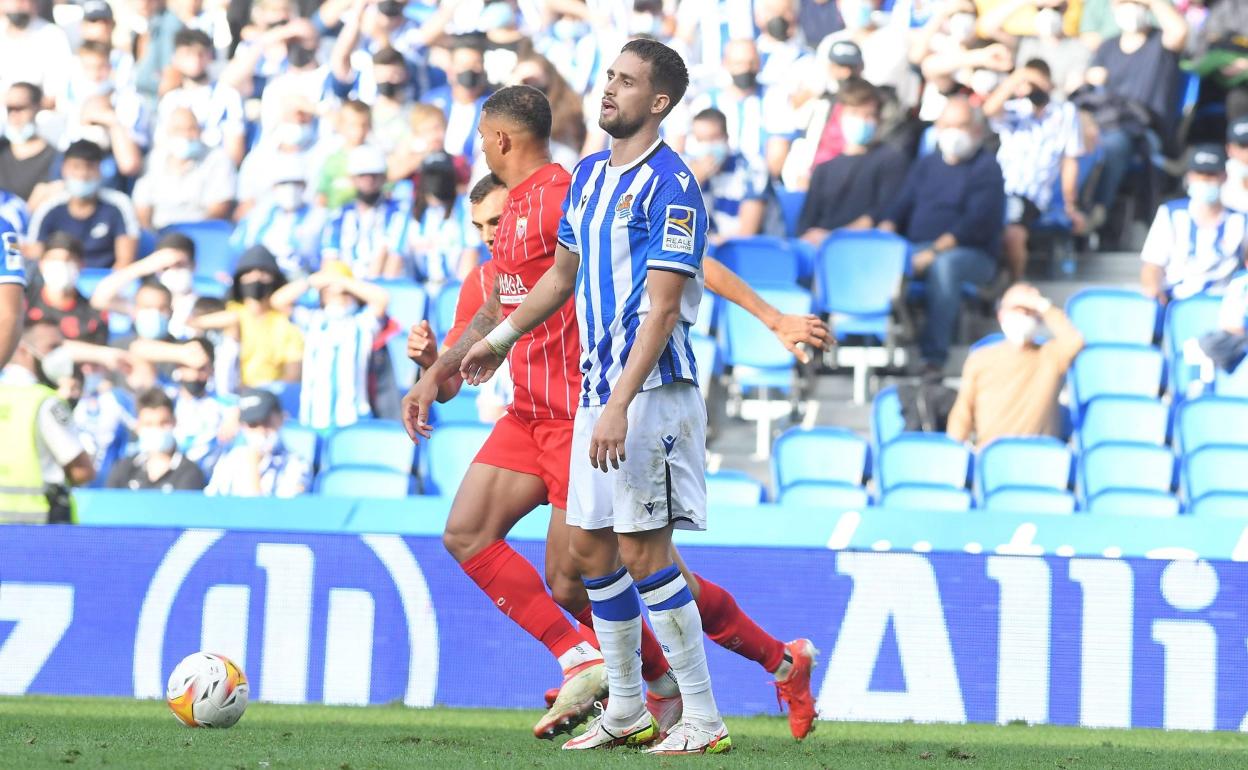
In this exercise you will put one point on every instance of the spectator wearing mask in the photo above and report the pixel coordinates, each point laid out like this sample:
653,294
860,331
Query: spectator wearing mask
95,108
31,49
25,157
394,93
218,108
338,343
369,27
285,222
98,27
1227,20
41,455
1235,191
270,346
428,124
154,352
290,144
157,465
1041,141
53,295
103,221
781,41
261,465
438,235
461,99
885,63
820,137
1225,347
364,234
952,56
1012,388
265,50
302,76
733,187
568,129
352,127
951,207
186,180
154,74
172,263
1037,29
225,348
1195,243
200,427
854,188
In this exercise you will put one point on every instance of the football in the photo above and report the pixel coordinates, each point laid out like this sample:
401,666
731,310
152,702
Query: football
207,690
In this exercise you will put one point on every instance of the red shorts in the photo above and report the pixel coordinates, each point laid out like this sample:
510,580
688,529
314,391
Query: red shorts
541,448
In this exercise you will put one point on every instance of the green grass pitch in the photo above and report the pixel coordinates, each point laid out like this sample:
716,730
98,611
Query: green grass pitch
42,732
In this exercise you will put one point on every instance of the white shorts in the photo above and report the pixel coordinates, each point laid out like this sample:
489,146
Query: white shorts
662,480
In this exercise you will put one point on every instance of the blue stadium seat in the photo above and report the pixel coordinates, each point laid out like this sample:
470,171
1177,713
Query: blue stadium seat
708,315
382,443
1234,384
1134,502
408,304
931,459
404,367
1029,500
462,408
90,277
119,325
215,256
1114,315
926,497
1139,419
819,454
147,243
1215,469
364,481
1187,319
706,357
1120,370
450,452
757,357
1126,466
1220,504
729,487
288,394
761,259
1039,463
1211,420
826,496
791,202
444,310
887,421
303,441
209,287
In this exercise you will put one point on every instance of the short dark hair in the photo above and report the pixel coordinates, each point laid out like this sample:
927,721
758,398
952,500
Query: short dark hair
84,149
192,38
484,186
857,92
713,115
206,305
1039,65
154,284
525,106
97,47
668,73
357,106
177,242
65,242
388,56
154,398
33,91
208,349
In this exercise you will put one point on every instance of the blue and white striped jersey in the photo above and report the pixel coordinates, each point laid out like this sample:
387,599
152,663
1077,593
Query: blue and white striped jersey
13,211
357,236
624,221
12,266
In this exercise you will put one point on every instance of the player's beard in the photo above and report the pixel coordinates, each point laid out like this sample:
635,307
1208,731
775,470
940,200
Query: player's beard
619,126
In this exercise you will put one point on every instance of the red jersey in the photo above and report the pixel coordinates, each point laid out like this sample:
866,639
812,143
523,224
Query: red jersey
545,363
478,285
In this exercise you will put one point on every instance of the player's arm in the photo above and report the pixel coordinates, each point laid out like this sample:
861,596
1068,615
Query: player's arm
11,300
792,330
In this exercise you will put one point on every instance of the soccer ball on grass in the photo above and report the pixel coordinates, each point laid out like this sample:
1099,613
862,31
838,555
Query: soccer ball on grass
207,690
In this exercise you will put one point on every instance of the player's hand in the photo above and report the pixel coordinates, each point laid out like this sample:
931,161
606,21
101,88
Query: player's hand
480,363
607,442
417,405
422,348
795,330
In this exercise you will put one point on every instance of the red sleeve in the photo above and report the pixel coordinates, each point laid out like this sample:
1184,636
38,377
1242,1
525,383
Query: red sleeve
471,298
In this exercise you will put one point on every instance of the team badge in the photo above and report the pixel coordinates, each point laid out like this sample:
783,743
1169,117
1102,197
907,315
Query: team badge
522,224
678,227
624,209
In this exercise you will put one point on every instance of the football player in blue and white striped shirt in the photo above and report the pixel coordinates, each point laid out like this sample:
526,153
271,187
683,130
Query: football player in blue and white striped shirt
631,243
12,286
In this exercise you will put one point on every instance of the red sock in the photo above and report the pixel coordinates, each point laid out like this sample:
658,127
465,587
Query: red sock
519,593
653,662
732,629
586,618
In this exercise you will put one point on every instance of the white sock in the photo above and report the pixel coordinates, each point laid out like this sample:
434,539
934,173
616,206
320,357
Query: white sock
676,623
617,621
577,655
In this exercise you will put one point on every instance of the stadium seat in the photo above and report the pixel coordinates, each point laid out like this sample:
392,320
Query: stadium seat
1220,504
1134,502
1211,420
708,315
1030,500
1126,466
706,357
1113,315
1120,370
858,276
404,367
444,310
729,487
826,496
1187,319
215,256
1234,384
408,304
926,497
288,394
364,481
89,278
1215,469
462,408
1038,463
887,421
381,443
1138,419
761,259
791,203
819,454
147,243
928,459
303,441
448,455
205,286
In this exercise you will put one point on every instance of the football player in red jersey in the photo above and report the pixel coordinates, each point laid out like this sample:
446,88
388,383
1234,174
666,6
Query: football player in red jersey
525,461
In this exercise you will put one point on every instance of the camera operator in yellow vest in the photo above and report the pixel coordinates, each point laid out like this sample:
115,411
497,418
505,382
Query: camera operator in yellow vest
41,455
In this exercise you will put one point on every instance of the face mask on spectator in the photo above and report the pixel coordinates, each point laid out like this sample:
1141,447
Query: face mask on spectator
187,149
156,441
1018,327
368,198
58,275
293,134
299,56
1038,97
745,80
697,150
19,134
178,280
857,131
962,27
256,290
471,79
778,27
288,196
1237,170
54,366
260,439
391,90
955,144
1048,23
984,82
344,309
1131,17
82,188
569,29
390,8
19,19
196,387
150,323
1206,193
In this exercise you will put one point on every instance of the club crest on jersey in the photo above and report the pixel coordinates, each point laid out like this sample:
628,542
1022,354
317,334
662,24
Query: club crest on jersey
624,209
522,224
678,227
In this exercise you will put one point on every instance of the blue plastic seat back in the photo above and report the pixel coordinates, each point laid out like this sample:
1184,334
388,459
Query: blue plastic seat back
1215,468
302,441
1039,462
450,452
409,304
1134,502
825,496
1121,370
761,259
462,408
381,443
858,274
1221,504
364,481
1212,420
751,344
1113,315
444,309
215,256
1187,319
706,356
1117,465
730,487
926,498
205,286
1234,384
1138,419
819,454
925,459
887,421
791,203
1030,500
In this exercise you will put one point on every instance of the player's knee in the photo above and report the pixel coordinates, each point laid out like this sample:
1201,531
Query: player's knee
568,592
462,544
645,553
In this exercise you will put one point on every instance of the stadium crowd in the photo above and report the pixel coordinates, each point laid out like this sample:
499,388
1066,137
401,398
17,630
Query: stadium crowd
335,143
